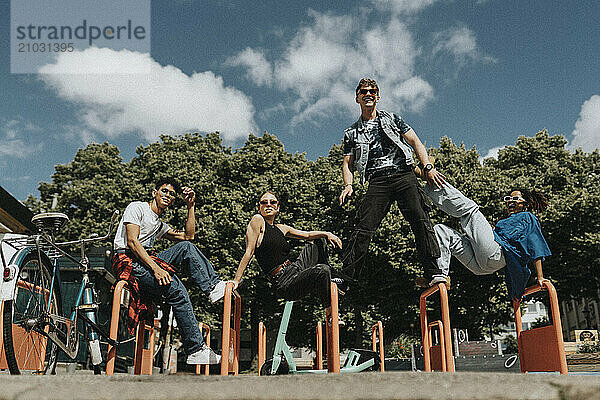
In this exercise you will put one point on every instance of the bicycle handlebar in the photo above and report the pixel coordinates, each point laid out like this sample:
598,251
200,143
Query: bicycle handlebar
113,220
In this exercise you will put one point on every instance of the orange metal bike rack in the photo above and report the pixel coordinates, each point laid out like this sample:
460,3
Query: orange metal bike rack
377,334
445,348
438,352
319,344
230,343
144,357
541,349
333,332
205,327
262,345
144,360
332,336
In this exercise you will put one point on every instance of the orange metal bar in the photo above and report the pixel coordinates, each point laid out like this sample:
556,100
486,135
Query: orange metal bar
202,326
319,343
230,342
446,336
114,327
333,332
541,349
262,345
3,364
377,333
144,357
443,361
33,288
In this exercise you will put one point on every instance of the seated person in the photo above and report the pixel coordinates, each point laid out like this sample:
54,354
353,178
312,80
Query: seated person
515,243
151,277
309,274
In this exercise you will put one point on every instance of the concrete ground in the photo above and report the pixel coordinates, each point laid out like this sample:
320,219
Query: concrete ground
367,385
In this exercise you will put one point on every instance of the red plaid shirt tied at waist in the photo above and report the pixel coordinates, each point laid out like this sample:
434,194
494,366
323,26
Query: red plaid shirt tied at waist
139,308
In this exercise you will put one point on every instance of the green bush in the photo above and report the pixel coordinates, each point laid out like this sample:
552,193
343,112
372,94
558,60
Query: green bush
512,347
400,347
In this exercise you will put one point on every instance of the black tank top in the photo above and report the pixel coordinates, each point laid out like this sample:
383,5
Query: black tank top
273,250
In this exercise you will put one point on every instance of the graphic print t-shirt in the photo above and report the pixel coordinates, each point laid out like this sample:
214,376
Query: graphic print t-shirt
384,156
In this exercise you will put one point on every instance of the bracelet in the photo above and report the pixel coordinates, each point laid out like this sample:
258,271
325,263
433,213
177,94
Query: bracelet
347,184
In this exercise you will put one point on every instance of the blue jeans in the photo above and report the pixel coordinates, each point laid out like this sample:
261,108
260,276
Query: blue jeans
175,294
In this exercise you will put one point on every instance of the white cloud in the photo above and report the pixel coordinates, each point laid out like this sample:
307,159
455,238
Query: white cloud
259,71
325,59
587,128
415,92
492,153
116,99
323,62
402,6
16,140
316,55
461,43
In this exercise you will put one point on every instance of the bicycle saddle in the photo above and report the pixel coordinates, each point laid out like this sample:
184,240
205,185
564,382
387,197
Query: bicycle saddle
49,221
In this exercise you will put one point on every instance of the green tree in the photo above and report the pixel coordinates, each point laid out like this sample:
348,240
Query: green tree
229,182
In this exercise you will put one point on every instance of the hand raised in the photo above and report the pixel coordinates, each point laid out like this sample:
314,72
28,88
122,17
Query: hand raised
189,196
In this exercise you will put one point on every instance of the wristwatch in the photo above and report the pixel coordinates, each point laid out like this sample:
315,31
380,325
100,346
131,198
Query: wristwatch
428,167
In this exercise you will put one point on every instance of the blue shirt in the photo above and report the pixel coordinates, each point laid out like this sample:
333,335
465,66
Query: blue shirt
520,235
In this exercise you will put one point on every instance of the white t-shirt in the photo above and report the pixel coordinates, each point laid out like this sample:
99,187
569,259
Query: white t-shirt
151,227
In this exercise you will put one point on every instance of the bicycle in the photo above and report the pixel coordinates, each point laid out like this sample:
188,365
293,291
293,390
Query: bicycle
33,324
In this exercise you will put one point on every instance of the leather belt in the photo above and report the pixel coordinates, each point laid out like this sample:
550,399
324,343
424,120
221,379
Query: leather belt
280,268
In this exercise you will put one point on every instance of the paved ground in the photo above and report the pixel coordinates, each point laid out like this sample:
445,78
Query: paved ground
369,385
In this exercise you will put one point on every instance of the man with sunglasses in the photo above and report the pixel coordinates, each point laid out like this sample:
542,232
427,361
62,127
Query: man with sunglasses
151,277
380,145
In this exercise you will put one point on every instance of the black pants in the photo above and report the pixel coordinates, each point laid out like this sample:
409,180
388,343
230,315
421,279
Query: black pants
382,192
308,275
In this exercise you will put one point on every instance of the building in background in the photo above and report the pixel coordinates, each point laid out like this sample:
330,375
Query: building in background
532,311
579,314
15,217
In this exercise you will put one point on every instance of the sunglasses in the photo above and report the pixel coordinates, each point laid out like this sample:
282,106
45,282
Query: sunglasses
512,198
168,192
269,202
365,91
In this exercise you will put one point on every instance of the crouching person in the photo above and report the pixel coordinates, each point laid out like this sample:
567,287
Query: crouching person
308,274
151,277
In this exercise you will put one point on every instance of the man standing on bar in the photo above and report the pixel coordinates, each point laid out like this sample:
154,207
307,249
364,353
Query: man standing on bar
380,144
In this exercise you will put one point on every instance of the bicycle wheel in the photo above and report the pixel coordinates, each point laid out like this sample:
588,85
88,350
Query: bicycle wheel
24,317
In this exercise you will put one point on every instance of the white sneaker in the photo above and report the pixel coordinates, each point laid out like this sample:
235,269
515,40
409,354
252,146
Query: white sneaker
440,279
218,292
204,356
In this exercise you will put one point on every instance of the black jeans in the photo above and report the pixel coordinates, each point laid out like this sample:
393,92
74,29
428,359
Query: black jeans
308,275
382,192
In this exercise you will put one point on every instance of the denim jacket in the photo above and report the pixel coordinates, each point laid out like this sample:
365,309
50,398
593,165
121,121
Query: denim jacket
356,135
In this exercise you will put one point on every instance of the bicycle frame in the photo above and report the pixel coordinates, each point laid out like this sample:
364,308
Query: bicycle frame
43,243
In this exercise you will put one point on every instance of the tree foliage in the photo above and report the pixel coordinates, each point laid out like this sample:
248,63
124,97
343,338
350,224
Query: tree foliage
229,182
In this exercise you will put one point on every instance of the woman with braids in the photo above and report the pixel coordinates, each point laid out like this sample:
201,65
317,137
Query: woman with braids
309,274
515,243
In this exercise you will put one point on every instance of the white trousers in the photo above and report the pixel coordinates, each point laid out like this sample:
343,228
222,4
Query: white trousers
476,249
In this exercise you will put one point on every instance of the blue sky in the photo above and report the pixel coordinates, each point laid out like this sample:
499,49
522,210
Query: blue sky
481,72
